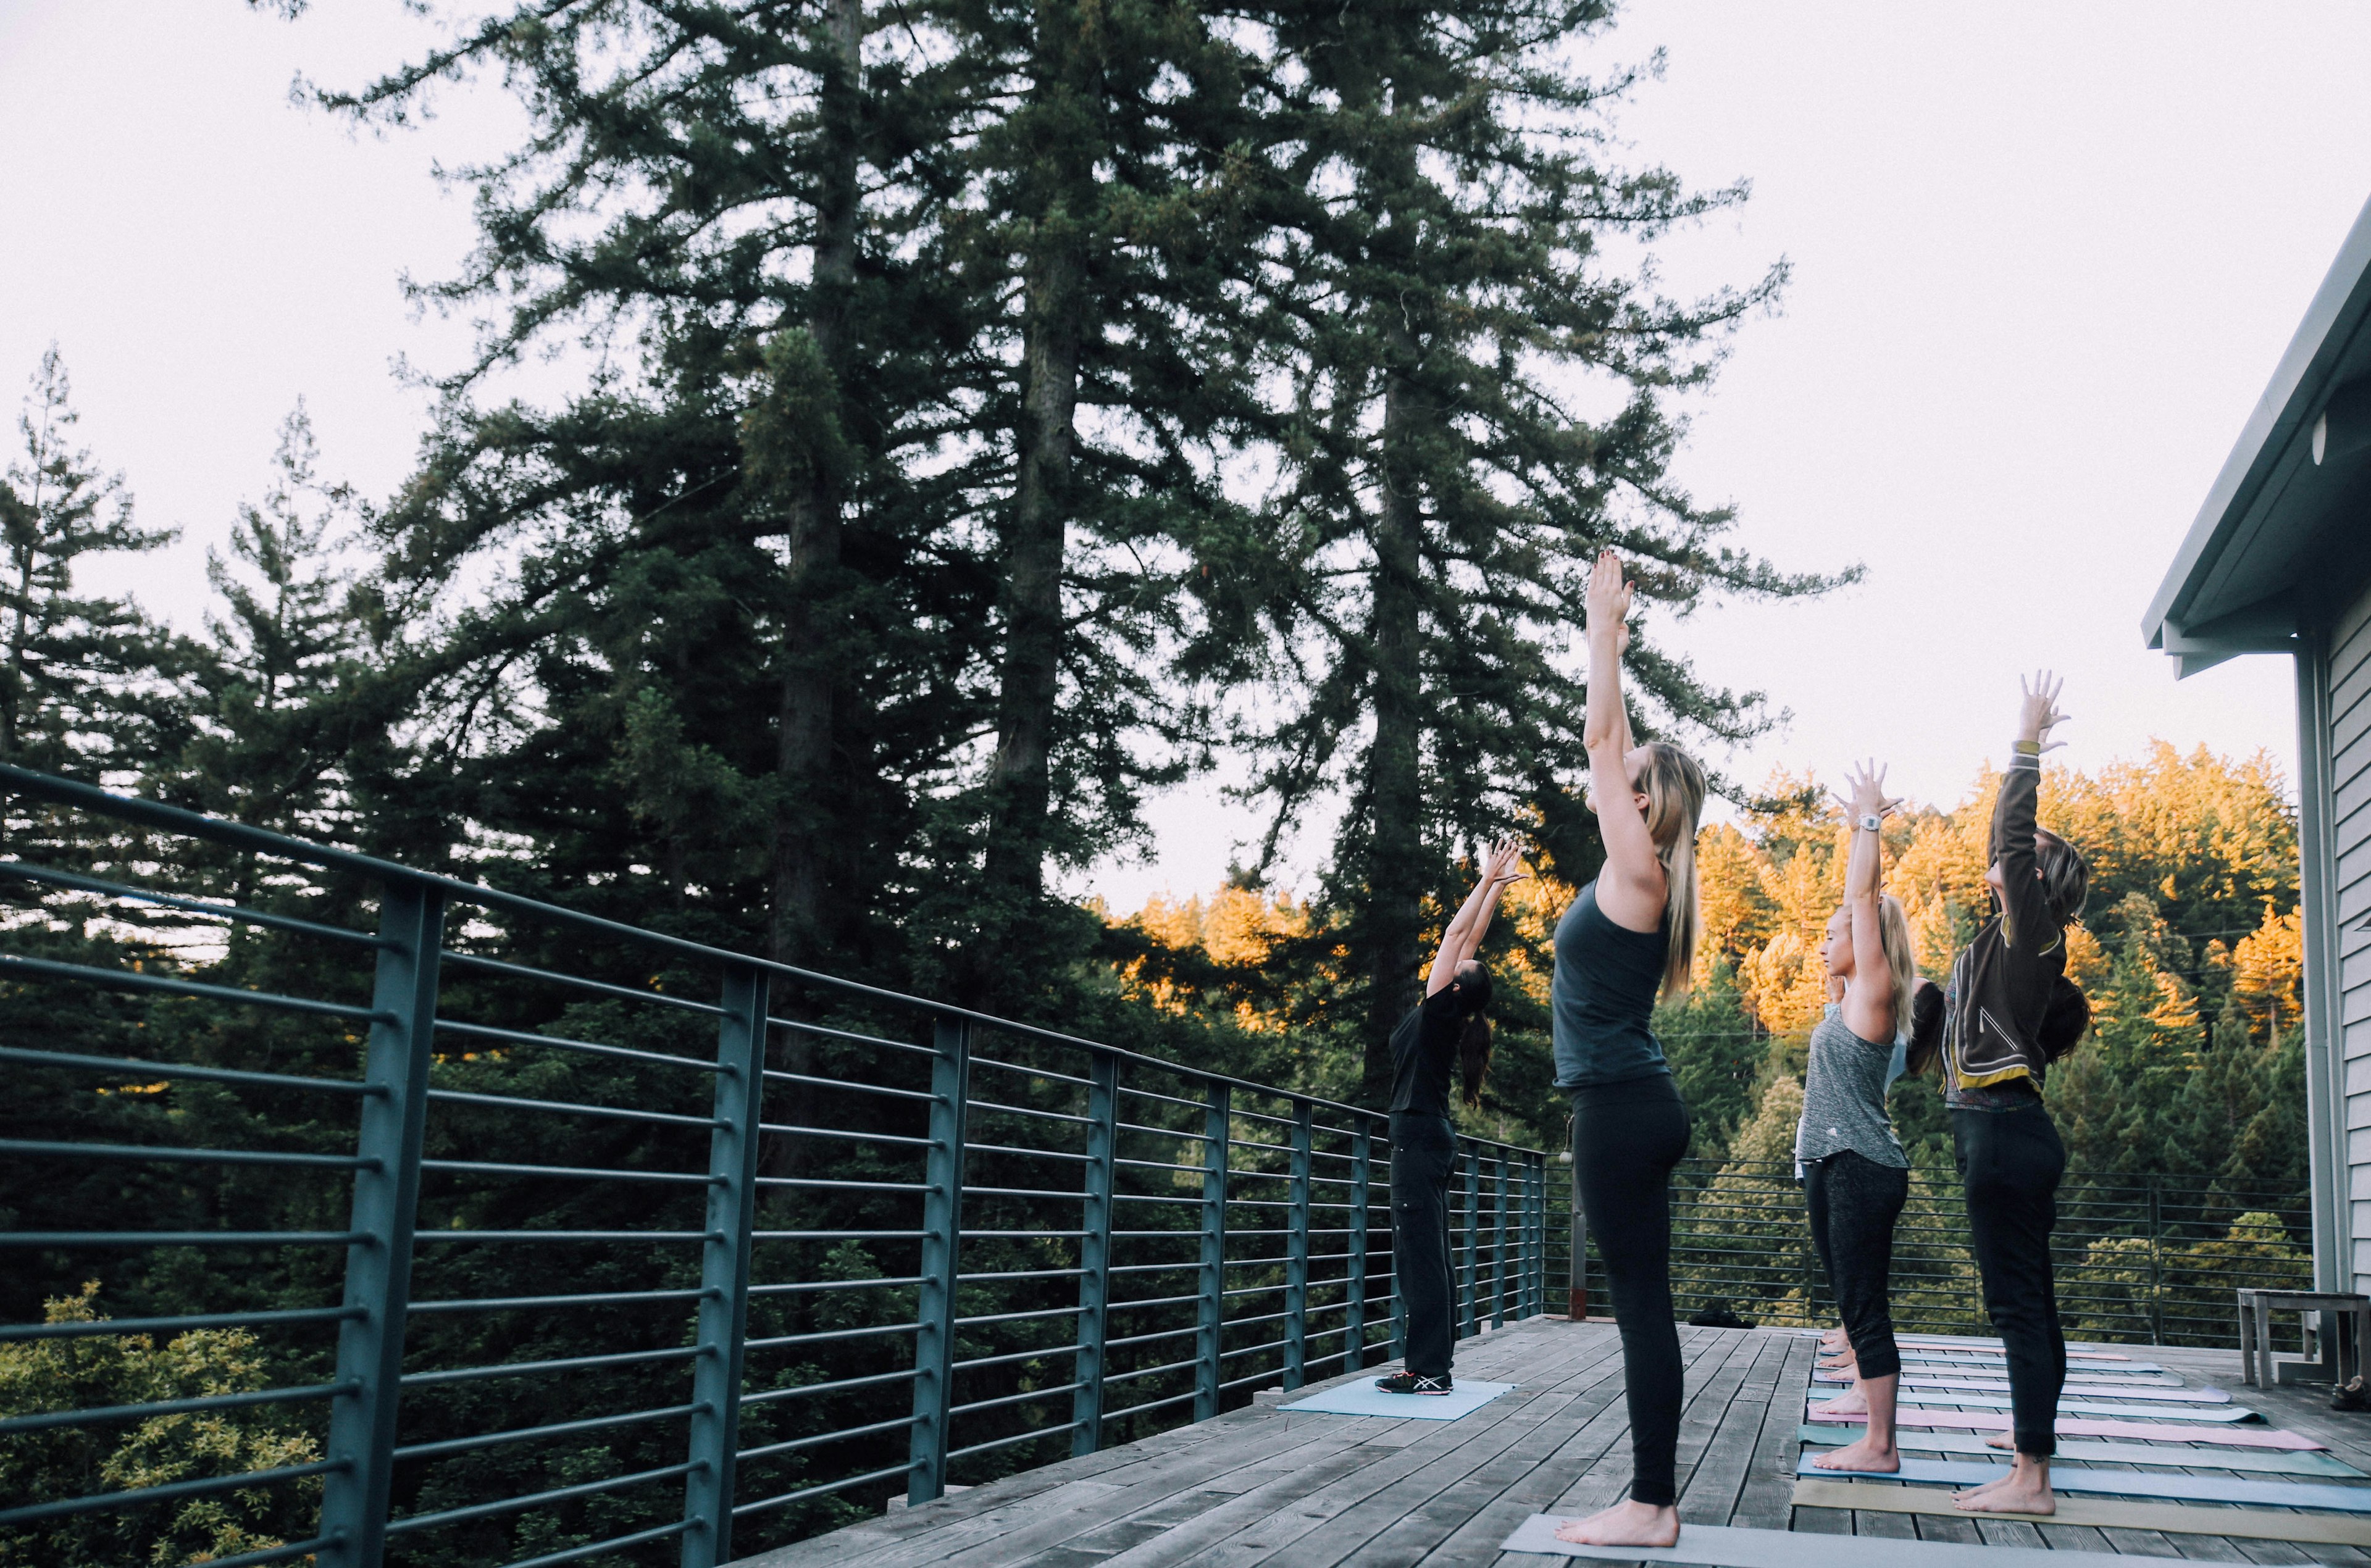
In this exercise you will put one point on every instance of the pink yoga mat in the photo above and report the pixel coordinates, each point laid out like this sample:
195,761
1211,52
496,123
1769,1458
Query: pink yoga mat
2076,1426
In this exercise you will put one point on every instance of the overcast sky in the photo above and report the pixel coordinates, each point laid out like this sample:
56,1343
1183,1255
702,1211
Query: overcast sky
2045,257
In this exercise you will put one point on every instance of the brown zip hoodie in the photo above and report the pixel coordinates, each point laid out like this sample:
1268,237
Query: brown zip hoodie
2001,981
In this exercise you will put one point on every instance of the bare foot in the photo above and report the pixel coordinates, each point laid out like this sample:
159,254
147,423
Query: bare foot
2024,1490
2000,1440
1865,1455
1852,1401
1628,1523
1832,1339
1844,1363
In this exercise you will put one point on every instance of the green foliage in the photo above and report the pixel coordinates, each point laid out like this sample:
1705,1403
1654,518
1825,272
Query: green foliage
55,1463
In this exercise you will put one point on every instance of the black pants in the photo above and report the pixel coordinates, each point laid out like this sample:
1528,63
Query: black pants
1854,1202
2011,1161
1424,1156
1625,1138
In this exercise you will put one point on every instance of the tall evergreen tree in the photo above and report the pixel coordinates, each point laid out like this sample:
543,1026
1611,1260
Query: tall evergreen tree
86,679
1451,317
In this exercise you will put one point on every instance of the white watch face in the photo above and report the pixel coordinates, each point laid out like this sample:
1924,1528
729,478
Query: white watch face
1872,823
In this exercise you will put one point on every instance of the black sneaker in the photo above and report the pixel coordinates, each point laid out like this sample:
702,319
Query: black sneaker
1409,1383
2351,1397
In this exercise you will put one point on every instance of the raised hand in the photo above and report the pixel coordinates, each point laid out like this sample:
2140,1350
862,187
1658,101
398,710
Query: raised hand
1868,797
1608,601
2038,714
1503,866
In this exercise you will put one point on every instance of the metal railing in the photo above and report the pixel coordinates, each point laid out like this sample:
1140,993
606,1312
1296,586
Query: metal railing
492,1231
2154,1260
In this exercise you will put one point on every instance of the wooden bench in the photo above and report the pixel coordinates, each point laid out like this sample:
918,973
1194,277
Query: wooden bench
2342,1351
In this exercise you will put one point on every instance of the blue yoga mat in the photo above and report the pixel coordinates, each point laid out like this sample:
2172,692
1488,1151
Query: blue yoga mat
2265,1461
2124,1483
1363,1398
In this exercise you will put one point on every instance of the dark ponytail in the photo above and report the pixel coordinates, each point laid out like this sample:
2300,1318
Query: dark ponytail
1925,1026
2066,1022
1473,1057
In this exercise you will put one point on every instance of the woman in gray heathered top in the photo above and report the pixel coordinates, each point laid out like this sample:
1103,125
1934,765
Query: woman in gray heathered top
1854,1170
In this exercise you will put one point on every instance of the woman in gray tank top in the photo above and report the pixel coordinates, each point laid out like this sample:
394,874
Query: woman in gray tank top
1854,1173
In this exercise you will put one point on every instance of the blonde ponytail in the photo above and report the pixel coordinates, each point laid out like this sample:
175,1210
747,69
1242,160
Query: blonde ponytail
1900,962
1674,788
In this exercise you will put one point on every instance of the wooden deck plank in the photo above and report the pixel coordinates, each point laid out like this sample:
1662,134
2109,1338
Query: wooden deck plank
1259,1488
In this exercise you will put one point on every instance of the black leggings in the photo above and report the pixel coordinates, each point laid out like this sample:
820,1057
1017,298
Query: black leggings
2011,1161
1854,1202
1424,1157
1625,1138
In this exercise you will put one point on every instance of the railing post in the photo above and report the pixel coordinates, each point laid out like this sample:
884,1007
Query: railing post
1499,1241
1095,1254
2156,1246
1211,1282
1539,1235
1354,1310
386,1208
1296,1253
934,1341
1467,1325
724,1267
1576,1266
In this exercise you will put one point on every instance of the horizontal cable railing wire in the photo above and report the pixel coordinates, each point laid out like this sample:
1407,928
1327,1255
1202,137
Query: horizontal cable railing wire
2151,1259
479,1229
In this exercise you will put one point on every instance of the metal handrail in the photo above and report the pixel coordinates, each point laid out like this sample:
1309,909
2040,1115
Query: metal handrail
1255,1270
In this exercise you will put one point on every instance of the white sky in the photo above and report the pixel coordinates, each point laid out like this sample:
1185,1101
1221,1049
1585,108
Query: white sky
2045,259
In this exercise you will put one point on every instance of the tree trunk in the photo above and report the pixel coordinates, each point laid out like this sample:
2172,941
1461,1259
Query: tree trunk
802,830
1019,780
1395,858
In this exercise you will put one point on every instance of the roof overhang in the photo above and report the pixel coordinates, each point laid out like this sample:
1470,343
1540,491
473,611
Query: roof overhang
2286,532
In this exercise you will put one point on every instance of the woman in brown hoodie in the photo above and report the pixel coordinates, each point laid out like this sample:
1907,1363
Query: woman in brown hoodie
2011,1011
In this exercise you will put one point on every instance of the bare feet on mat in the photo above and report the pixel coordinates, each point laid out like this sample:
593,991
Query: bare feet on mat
2000,1440
1628,1523
2024,1490
1861,1455
1832,1339
1852,1401
1844,1364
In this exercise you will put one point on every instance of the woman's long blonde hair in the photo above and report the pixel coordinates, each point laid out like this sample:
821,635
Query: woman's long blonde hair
1674,788
1900,962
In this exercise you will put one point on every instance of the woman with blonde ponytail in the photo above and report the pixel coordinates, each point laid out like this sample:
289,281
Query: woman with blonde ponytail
1628,937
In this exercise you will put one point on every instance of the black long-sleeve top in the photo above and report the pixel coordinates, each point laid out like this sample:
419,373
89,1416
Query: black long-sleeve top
2001,981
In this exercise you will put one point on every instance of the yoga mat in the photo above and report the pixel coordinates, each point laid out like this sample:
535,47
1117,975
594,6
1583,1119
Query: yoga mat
1363,1398
2090,1407
1724,1546
1983,1385
2073,1426
2279,1462
2125,1483
2174,1519
1969,1367
1976,1342
2093,1366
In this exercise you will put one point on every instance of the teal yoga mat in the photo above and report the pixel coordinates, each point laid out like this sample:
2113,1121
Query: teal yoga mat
1363,1398
2125,1483
2261,1461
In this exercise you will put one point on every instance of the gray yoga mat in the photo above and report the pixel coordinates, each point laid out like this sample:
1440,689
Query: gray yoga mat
2123,1483
2088,1368
2262,1461
1363,1398
2001,1385
1724,1546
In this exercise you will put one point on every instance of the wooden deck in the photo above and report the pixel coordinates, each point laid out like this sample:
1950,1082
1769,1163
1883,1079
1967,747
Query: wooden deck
1307,1490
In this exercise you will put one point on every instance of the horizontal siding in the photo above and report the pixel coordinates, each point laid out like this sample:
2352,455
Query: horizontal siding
2347,777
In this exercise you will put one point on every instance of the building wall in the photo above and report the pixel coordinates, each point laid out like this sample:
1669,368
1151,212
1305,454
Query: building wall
2344,945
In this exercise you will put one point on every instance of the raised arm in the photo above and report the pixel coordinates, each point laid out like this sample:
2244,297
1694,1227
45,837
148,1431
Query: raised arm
1630,890
1868,1000
2026,920
1463,937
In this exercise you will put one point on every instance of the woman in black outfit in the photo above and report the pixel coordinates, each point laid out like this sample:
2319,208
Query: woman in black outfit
1629,936
1425,1051
2011,1012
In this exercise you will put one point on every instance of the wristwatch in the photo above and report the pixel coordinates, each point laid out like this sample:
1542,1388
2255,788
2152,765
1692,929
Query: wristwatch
1869,822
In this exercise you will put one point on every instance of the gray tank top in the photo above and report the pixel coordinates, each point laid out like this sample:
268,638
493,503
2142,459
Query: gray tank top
1844,1095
